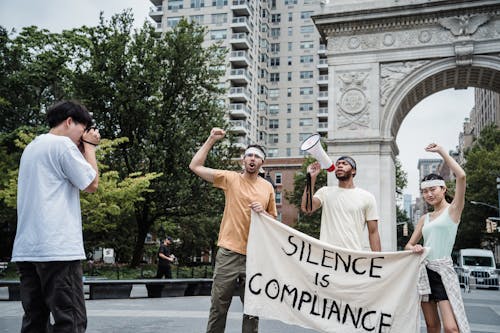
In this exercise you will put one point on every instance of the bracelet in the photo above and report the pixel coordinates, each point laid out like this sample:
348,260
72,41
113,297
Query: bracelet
90,143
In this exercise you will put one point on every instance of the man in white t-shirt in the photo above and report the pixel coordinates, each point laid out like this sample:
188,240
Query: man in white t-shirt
48,246
346,208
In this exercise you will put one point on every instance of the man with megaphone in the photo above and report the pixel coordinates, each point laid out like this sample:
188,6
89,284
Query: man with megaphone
346,208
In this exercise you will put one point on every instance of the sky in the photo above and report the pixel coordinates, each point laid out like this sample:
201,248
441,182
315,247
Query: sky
438,118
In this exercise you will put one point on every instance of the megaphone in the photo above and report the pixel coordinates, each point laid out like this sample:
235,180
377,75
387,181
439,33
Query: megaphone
313,146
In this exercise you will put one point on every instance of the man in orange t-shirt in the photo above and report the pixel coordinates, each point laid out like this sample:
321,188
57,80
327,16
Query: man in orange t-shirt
243,192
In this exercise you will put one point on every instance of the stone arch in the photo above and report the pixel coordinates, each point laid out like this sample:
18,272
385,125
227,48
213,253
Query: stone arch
433,77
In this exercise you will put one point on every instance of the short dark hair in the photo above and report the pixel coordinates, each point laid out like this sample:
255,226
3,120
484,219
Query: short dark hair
259,147
432,176
60,111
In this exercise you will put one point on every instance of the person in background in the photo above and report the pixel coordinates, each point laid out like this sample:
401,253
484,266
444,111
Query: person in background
243,191
165,258
48,246
347,209
439,229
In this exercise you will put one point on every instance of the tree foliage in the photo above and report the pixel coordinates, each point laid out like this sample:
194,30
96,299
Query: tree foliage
159,91
482,169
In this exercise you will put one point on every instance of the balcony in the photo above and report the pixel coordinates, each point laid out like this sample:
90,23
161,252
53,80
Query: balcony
322,127
239,94
239,58
323,63
241,24
158,27
241,41
239,110
323,112
156,2
322,49
240,143
241,7
238,126
240,76
156,13
323,96
322,80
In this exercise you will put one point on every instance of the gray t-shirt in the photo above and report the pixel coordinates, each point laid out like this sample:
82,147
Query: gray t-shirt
51,174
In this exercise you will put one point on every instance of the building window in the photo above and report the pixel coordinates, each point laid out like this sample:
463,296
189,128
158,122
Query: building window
289,61
274,93
197,3
274,62
306,29
288,152
272,152
288,137
274,123
278,198
274,77
219,3
273,138
305,91
275,18
291,2
278,178
218,34
306,74
274,109
198,19
308,44
275,47
289,123
219,18
305,15
306,107
173,21
290,17
306,59
289,108
290,46
275,32
305,122
175,4
303,136
289,76
289,92
290,31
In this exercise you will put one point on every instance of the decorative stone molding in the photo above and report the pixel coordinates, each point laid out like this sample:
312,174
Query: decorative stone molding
463,52
465,24
393,73
353,101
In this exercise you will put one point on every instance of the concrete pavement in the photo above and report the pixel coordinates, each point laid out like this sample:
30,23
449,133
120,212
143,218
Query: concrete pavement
189,314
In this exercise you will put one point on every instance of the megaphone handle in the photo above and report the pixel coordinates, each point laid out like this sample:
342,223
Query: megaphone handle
308,192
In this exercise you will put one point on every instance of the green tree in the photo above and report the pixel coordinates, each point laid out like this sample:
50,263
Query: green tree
160,91
482,169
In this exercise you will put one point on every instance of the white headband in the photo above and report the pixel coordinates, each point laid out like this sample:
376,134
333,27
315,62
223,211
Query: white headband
431,183
255,151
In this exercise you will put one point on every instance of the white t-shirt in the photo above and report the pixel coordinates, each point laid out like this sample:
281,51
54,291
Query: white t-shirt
344,215
49,225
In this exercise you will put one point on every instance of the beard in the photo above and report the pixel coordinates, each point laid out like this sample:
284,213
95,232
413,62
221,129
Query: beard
346,176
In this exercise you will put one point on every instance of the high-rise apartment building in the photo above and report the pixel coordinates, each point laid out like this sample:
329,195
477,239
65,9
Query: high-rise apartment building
276,75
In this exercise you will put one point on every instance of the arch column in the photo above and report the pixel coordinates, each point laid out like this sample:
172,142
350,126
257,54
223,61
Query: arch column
354,130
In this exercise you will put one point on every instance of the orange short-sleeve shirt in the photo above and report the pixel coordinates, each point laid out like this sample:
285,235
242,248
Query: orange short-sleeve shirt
239,193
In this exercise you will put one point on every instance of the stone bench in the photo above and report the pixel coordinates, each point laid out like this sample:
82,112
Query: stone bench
120,289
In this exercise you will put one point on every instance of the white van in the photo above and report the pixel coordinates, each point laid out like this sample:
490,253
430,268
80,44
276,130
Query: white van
477,267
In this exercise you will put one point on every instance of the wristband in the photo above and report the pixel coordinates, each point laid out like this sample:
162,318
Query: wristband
90,143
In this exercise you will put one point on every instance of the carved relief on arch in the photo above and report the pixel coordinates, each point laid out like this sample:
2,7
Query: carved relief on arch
393,73
353,102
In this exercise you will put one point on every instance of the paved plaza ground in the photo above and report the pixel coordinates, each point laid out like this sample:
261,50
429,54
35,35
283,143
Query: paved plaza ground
189,314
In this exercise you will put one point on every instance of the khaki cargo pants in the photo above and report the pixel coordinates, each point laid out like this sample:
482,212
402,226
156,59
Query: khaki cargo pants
229,274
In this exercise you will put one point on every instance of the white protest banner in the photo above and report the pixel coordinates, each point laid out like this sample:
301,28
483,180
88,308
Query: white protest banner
300,280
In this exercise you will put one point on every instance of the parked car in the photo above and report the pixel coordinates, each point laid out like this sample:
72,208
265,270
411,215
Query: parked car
477,268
